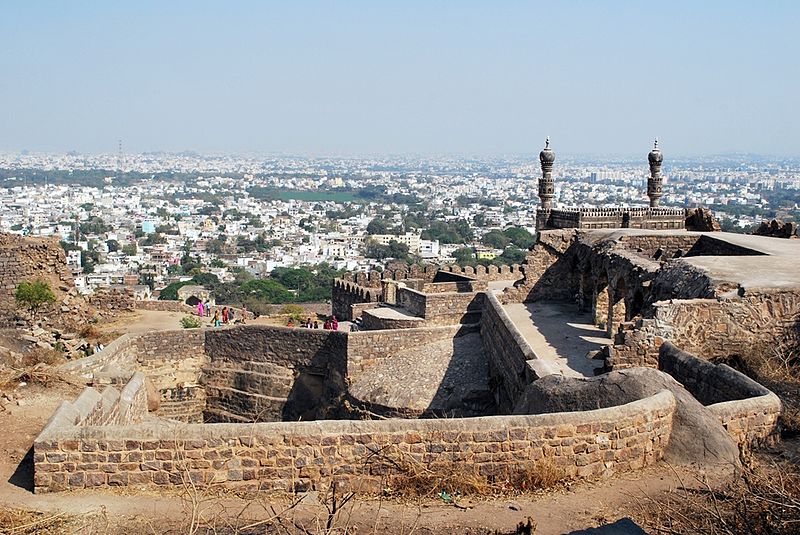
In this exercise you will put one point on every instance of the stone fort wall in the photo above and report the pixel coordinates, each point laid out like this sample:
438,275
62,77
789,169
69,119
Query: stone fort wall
356,455
24,259
747,410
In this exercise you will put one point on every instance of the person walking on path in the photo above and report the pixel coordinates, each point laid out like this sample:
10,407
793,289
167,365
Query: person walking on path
334,323
225,315
200,310
216,318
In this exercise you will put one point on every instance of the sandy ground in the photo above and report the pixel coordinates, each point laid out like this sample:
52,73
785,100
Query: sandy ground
557,333
142,321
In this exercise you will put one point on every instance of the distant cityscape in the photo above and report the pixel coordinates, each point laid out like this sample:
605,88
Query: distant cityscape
150,220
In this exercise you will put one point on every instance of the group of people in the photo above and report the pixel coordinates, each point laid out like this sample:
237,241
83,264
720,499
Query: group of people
204,309
221,317
331,324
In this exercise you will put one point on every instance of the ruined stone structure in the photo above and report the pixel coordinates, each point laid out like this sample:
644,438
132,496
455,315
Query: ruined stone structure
275,375
353,295
652,217
25,259
777,229
192,294
259,408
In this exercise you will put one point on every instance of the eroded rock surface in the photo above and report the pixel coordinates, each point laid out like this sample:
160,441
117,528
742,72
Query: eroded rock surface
697,434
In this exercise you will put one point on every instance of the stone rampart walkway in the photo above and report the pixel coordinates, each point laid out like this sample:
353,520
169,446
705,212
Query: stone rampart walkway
559,334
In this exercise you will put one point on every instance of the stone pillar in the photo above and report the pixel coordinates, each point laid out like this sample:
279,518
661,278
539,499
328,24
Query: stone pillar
389,291
600,304
655,158
546,184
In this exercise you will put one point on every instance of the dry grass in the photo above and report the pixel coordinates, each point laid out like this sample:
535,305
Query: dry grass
25,522
776,366
411,479
94,335
761,500
38,355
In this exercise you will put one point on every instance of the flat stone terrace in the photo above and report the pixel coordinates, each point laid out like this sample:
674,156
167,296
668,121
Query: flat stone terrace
771,264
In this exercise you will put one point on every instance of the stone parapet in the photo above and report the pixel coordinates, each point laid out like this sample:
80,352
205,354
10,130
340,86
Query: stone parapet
507,352
355,455
748,410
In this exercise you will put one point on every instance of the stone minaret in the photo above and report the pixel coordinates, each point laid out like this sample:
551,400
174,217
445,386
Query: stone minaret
654,182
546,185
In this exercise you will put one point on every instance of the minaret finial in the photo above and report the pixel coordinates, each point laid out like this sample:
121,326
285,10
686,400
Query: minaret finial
655,144
547,142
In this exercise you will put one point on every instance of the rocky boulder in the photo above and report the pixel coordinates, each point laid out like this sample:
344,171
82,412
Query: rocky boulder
777,229
701,220
697,434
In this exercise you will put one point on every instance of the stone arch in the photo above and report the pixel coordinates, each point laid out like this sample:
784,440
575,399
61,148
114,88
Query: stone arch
586,288
192,300
601,297
637,304
617,306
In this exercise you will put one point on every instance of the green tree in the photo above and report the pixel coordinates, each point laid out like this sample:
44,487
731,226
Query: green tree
130,249
495,239
378,226
207,280
464,256
520,237
34,295
512,255
267,291
113,246
170,292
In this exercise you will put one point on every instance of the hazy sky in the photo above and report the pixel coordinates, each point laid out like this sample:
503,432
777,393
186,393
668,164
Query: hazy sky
345,77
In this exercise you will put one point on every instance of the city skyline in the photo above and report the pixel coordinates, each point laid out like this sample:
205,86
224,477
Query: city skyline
357,79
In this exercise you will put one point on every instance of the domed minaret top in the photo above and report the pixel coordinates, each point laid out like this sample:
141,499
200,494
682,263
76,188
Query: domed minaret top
655,156
654,182
546,184
547,156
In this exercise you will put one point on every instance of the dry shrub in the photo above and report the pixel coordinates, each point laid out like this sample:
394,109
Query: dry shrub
24,522
38,355
94,335
759,501
543,474
776,366
414,479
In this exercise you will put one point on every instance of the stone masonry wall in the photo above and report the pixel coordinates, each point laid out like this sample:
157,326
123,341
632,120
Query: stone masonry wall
24,259
172,360
164,306
550,247
374,322
356,455
113,299
748,410
710,328
257,373
345,294
453,307
365,347
507,352
724,327
444,308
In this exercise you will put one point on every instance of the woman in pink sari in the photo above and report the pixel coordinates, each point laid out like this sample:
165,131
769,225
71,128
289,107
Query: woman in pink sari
200,311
